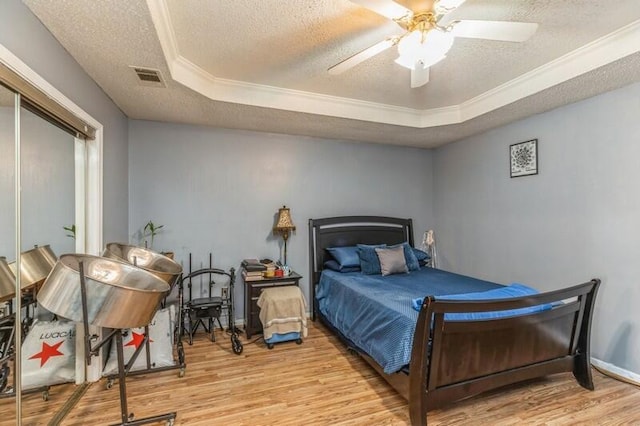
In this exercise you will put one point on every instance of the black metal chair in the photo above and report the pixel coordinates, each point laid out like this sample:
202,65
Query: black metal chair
206,311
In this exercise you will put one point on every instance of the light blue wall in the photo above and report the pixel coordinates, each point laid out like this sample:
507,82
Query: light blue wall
578,219
218,190
48,176
25,36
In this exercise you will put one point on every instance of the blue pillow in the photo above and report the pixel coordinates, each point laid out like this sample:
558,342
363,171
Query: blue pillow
347,257
410,259
421,255
369,262
335,266
513,290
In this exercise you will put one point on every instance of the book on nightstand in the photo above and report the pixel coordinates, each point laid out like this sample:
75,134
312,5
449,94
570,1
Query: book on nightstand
253,265
251,276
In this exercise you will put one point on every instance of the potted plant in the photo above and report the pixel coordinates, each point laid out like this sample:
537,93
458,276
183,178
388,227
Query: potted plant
150,230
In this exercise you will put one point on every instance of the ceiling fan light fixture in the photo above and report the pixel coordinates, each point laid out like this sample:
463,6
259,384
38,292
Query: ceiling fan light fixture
427,48
412,63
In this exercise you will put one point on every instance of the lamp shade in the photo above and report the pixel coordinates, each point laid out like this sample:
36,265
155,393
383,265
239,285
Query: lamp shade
284,222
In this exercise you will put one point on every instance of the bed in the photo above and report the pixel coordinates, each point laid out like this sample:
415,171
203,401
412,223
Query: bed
438,358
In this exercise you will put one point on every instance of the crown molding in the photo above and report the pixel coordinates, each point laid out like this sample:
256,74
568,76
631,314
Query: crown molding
220,89
616,45
164,29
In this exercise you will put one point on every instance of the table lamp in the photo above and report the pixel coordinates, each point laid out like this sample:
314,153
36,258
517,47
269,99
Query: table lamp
284,226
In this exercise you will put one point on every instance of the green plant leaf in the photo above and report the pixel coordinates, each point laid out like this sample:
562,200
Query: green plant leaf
71,229
151,230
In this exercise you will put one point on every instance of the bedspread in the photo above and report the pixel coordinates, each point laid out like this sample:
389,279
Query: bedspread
376,313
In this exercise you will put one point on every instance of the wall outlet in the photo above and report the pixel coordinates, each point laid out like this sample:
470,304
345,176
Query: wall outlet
225,292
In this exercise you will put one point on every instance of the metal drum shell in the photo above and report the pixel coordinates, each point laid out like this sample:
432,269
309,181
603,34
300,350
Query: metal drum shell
35,265
119,295
158,264
7,281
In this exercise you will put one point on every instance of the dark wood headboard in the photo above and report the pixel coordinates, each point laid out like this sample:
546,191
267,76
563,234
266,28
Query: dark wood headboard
348,231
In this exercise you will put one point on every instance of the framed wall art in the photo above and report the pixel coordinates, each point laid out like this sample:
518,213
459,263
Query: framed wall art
524,158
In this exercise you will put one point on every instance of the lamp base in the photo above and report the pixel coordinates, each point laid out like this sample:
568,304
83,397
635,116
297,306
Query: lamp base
285,237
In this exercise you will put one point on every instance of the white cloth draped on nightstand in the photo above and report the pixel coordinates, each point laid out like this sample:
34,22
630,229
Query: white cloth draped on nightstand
283,310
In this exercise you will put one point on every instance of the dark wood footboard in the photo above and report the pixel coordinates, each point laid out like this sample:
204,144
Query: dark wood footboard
452,360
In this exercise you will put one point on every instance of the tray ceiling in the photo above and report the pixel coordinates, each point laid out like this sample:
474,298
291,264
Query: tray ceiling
263,65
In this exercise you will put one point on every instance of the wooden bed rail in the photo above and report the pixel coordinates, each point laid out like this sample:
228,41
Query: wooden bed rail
452,360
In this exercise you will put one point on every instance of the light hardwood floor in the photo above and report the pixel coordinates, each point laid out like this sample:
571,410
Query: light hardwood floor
320,383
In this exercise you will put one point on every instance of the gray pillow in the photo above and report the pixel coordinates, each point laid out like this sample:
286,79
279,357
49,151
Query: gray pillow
392,260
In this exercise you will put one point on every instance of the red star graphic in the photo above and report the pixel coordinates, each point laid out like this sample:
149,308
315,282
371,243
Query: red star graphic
137,339
47,352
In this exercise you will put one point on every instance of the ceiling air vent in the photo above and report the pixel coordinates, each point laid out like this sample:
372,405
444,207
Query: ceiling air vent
149,77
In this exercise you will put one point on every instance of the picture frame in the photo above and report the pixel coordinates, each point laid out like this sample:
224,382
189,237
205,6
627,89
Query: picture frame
523,158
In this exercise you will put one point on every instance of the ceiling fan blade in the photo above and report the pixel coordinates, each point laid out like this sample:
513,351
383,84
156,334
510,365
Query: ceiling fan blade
387,8
417,5
362,56
445,6
419,76
494,30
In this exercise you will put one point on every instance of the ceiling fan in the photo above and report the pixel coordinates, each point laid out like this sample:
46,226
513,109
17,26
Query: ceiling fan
427,36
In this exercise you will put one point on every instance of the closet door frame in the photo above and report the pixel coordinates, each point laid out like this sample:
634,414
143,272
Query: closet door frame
89,178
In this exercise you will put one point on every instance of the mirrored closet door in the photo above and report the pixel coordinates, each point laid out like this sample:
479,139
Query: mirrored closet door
43,160
47,230
48,185
7,250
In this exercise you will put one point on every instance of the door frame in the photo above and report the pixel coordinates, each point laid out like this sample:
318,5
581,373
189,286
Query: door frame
89,189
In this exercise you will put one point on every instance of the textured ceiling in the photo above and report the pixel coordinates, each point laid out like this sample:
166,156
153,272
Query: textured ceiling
289,44
311,36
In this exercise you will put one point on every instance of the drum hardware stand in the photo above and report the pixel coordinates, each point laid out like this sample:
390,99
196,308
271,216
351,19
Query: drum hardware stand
150,368
145,343
126,417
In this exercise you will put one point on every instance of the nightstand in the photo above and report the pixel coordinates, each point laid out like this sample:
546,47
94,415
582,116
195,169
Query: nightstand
252,290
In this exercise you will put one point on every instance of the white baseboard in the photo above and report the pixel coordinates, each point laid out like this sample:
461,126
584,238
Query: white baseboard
616,371
239,322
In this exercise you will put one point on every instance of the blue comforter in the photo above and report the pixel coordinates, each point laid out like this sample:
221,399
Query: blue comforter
513,290
376,312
